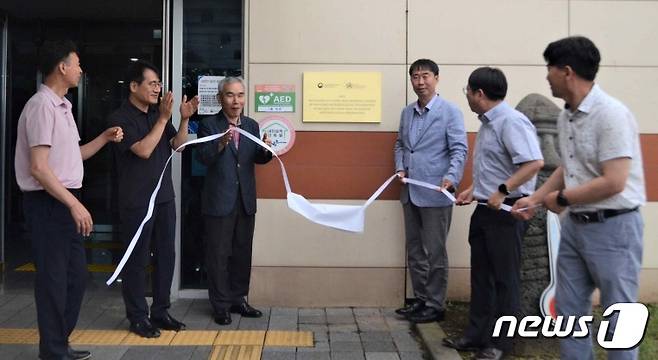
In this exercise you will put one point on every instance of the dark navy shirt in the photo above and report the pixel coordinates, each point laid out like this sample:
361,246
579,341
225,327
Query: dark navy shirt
138,177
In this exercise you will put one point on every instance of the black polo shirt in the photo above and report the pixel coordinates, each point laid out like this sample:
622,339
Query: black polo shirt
138,177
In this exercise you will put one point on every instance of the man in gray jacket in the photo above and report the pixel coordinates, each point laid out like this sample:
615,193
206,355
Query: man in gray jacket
431,147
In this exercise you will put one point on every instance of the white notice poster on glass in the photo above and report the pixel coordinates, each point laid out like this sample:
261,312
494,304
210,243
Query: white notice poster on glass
207,91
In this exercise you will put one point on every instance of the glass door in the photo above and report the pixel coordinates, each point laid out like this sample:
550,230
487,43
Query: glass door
109,35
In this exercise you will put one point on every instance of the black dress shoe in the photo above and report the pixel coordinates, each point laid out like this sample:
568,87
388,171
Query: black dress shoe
461,344
223,317
144,328
79,354
246,310
427,314
414,306
167,323
489,353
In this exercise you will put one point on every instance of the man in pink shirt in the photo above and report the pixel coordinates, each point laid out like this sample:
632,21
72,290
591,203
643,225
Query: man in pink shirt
49,172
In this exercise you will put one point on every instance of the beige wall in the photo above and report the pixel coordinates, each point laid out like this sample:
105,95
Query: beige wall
311,265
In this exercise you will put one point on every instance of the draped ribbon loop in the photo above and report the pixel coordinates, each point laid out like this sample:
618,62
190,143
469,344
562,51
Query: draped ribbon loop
343,217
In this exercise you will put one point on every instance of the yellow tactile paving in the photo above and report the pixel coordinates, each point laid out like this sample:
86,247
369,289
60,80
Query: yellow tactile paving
165,338
236,352
289,338
193,337
19,336
240,337
98,337
235,338
94,268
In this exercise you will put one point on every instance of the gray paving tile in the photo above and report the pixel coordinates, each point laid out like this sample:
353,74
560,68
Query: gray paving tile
110,319
347,355
367,312
26,352
311,312
395,323
180,307
342,327
105,352
18,302
379,346
319,355
372,323
284,311
320,332
317,346
339,311
283,325
287,349
312,319
408,345
402,334
406,355
4,298
11,352
346,346
340,319
376,336
142,353
253,324
278,355
201,353
349,336
88,315
382,356
23,318
176,353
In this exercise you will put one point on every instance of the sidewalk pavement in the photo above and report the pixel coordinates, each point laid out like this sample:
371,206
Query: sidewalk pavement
339,333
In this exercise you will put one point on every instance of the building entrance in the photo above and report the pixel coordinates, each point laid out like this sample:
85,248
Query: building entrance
109,35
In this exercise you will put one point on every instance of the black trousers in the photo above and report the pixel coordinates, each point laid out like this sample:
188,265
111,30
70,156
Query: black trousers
59,257
228,249
158,238
495,238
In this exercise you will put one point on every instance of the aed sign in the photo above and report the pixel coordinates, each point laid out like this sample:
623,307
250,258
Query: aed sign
275,98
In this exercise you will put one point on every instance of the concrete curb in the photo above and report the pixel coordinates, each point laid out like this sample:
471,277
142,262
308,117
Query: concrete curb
432,336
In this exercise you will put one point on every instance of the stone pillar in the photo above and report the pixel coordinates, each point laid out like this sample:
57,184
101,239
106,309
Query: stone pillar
535,274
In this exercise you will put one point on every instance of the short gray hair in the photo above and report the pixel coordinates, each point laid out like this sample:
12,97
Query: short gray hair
229,80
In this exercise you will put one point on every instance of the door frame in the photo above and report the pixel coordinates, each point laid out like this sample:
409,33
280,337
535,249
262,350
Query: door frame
4,53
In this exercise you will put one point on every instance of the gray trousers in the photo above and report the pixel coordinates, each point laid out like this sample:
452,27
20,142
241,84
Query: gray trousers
426,230
606,256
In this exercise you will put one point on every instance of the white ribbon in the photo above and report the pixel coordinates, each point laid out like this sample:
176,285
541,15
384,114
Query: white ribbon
343,217
149,211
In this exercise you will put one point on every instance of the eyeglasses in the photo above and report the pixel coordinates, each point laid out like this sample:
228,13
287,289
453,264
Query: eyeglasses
155,84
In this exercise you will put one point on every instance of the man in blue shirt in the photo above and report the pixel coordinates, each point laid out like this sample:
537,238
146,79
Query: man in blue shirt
507,158
431,147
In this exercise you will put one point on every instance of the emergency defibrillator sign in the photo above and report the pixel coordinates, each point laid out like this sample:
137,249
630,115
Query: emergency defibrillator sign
275,98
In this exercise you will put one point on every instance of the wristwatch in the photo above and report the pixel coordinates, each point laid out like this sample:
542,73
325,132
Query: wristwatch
502,188
561,200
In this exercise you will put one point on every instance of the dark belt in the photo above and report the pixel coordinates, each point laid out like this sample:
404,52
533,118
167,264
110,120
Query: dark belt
598,216
507,201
